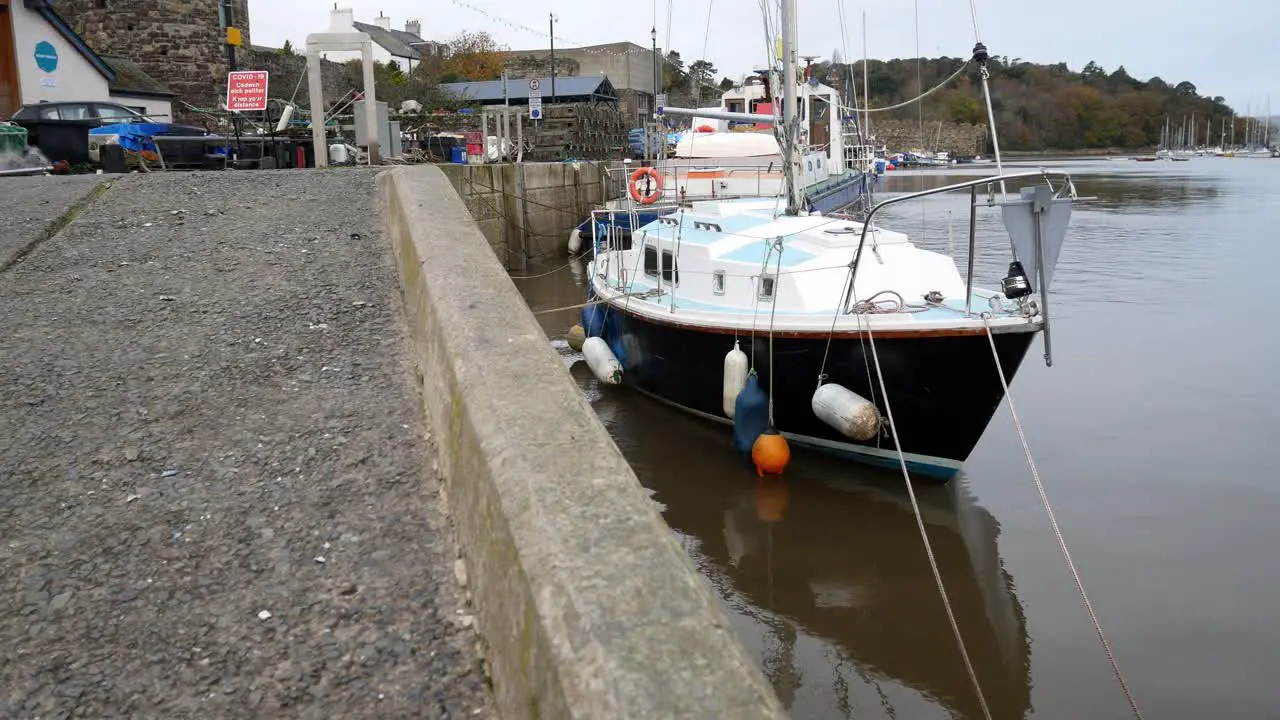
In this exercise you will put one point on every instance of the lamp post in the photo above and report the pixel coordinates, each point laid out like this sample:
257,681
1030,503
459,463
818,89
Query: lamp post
551,23
653,35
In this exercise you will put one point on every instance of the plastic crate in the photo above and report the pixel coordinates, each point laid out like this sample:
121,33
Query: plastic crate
13,139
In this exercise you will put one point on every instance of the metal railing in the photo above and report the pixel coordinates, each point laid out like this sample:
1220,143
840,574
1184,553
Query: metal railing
972,186
617,178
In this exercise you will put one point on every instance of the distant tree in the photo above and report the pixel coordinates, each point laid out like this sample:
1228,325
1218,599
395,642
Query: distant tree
702,72
966,110
673,74
882,82
1156,83
1185,88
1093,72
727,84
287,49
473,56
1121,77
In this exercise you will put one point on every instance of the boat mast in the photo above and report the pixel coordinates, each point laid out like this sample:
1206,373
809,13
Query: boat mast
866,88
790,126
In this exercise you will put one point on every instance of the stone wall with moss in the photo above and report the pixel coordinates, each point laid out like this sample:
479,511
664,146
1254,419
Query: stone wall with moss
178,42
958,139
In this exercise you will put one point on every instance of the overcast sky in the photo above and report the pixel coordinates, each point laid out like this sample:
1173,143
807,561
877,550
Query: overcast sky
1222,46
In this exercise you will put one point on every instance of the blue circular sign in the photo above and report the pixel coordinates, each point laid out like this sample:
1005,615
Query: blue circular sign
46,56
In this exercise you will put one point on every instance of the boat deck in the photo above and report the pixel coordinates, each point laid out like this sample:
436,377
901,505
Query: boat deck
949,311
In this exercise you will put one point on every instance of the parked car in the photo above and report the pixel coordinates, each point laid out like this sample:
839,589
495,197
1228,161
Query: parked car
61,129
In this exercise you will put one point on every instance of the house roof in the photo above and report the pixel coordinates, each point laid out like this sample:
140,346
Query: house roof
396,42
615,47
518,88
45,9
133,80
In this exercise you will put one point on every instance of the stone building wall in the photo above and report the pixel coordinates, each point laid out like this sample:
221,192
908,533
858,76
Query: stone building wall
957,139
178,42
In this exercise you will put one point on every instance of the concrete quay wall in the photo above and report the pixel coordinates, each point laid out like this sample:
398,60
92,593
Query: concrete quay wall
587,606
526,210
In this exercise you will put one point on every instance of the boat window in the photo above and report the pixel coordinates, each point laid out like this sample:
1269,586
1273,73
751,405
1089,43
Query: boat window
717,282
766,287
670,273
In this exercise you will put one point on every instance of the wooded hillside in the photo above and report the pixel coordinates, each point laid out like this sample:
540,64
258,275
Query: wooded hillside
1039,107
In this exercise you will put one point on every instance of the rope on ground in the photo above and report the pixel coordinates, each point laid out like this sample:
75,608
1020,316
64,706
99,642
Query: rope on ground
924,536
1057,531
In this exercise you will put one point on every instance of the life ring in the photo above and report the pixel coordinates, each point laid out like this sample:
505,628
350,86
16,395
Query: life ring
634,188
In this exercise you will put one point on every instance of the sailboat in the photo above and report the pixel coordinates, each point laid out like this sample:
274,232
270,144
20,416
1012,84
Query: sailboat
860,343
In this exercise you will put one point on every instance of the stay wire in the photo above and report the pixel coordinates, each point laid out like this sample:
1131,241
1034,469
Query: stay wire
1057,531
772,312
922,96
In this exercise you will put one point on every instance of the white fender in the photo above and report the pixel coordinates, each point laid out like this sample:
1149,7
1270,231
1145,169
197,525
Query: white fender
575,241
602,361
847,412
735,377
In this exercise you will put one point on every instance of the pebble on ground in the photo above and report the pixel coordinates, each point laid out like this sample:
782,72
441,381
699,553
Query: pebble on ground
216,486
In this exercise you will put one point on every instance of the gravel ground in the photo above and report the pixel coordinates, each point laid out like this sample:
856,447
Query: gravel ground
28,205
217,495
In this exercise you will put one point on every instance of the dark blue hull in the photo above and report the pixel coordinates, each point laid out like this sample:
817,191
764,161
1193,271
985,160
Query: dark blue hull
841,193
943,385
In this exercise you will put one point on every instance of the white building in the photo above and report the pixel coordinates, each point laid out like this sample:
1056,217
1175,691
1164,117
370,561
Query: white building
43,60
405,47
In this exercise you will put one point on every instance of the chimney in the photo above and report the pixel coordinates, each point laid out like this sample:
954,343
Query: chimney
382,21
341,20
414,28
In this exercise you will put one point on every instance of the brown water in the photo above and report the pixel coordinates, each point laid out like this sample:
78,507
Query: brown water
1152,432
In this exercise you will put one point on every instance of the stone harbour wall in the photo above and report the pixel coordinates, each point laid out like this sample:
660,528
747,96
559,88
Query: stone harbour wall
958,139
178,42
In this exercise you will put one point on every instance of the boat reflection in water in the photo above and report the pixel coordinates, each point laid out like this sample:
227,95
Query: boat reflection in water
824,576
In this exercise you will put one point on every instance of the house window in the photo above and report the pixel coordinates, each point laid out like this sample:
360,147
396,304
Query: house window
670,273
766,287
717,282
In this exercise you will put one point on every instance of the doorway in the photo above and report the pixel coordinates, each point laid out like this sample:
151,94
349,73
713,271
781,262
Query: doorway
10,99
819,120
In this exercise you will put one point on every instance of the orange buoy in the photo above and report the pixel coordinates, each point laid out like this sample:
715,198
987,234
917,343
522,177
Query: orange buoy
770,453
770,499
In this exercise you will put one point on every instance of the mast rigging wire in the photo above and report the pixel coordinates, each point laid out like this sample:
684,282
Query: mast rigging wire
924,535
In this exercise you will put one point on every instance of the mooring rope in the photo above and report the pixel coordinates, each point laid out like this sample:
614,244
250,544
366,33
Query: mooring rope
601,301
924,536
1057,531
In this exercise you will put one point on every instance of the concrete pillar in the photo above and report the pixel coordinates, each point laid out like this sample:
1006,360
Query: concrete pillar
370,102
315,85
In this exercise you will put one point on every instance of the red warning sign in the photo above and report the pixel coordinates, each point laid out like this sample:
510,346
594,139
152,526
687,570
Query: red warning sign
247,90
